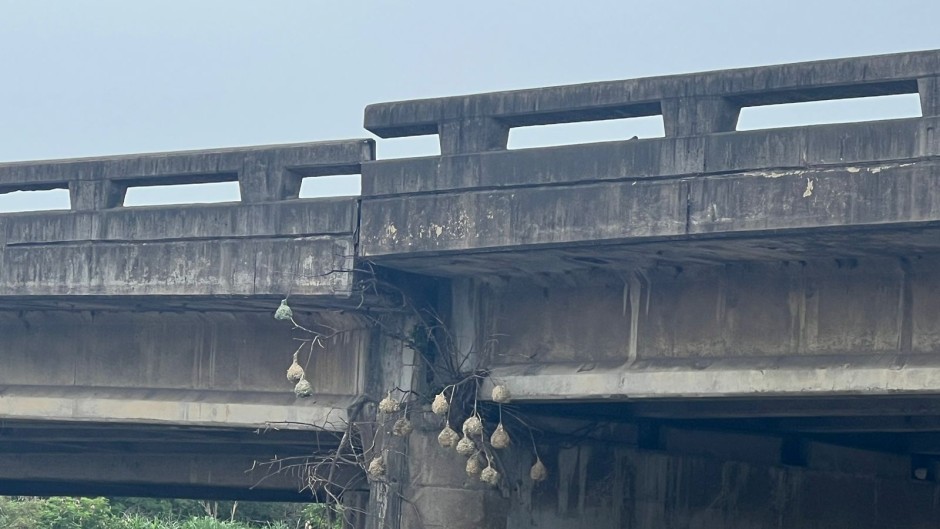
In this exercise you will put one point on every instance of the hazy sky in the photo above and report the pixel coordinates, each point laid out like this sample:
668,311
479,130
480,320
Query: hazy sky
83,78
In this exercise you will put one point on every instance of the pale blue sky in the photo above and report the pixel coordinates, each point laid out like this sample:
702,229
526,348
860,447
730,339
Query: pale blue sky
100,77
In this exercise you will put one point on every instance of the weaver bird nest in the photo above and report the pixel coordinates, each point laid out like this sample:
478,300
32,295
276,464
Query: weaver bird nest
388,405
473,425
448,438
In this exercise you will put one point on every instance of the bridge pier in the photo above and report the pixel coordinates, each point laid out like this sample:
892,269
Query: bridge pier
427,486
440,493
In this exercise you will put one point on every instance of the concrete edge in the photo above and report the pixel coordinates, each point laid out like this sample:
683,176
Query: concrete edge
317,416
624,383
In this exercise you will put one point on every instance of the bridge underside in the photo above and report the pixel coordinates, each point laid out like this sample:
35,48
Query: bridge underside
706,464
46,458
795,245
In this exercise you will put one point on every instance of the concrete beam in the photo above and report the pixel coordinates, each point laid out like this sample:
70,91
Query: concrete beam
593,383
200,476
310,266
128,458
736,330
743,412
283,220
901,424
176,408
176,368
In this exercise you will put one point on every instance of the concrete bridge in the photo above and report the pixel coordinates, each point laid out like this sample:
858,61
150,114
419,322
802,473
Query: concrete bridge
716,328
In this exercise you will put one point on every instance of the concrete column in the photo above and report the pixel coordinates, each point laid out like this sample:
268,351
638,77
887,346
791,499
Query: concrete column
472,135
439,494
692,116
355,514
929,88
88,195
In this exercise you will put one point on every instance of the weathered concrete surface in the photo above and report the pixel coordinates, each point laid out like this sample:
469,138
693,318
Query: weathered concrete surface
171,403
427,486
163,316
202,476
264,173
811,147
861,326
743,183
691,103
174,368
51,458
704,179
269,244
600,475
620,487
307,266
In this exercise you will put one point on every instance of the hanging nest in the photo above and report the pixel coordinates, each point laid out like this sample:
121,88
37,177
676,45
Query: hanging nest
474,466
448,438
377,468
501,394
490,475
388,405
402,427
440,404
473,425
466,447
295,373
500,438
303,389
538,472
283,311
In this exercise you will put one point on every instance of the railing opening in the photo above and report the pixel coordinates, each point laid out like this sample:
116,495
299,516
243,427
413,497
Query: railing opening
44,200
162,195
586,132
830,111
408,147
341,185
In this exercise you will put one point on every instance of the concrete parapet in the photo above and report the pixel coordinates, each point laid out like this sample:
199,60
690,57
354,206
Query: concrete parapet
268,244
265,174
691,104
703,178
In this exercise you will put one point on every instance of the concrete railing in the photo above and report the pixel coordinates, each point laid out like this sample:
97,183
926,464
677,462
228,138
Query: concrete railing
264,174
266,244
703,177
691,105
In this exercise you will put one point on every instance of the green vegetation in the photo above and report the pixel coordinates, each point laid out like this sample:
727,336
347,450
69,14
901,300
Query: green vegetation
134,513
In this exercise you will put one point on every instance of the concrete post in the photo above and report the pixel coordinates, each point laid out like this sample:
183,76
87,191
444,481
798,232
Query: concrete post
692,116
929,89
88,195
472,135
262,179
